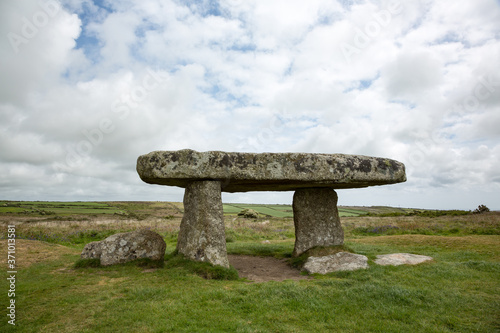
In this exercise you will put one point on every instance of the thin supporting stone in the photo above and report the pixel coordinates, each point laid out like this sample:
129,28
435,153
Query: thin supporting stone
202,236
316,219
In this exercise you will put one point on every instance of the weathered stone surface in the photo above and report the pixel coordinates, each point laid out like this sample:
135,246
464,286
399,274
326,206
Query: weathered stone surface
202,236
397,259
242,172
92,250
342,261
125,247
316,219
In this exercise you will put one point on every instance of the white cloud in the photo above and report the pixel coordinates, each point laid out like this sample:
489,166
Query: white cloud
117,36
98,85
412,74
35,48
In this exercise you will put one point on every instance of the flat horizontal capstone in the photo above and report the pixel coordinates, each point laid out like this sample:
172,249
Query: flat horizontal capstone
243,172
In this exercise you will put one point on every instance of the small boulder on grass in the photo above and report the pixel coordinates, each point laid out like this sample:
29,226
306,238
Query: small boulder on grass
341,261
124,247
396,259
249,213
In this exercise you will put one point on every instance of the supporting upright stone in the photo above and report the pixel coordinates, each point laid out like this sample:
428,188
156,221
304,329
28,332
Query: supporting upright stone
316,219
202,236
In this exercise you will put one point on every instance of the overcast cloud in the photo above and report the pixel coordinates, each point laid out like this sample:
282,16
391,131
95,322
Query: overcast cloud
88,86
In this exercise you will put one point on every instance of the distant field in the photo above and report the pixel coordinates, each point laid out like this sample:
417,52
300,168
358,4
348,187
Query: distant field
287,211
57,208
143,209
265,210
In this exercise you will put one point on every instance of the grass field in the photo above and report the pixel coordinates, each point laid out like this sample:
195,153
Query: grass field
459,291
265,210
147,209
287,211
60,208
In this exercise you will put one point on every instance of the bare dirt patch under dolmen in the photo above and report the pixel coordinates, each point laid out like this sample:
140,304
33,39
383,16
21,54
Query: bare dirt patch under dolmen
263,269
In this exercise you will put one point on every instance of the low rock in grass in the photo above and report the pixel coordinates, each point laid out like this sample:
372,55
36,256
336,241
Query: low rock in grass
342,261
249,213
396,259
124,247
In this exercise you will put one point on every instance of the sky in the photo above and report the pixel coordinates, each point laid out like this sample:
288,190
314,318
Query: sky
88,86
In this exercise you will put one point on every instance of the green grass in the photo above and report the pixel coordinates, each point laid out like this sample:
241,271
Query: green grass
143,210
344,212
425,213
447,225
203,269
281,211
459,291
86,263
277,250
231,209
65,238
59,208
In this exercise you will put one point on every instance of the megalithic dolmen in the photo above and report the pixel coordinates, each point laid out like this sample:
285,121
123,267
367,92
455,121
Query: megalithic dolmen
313,177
